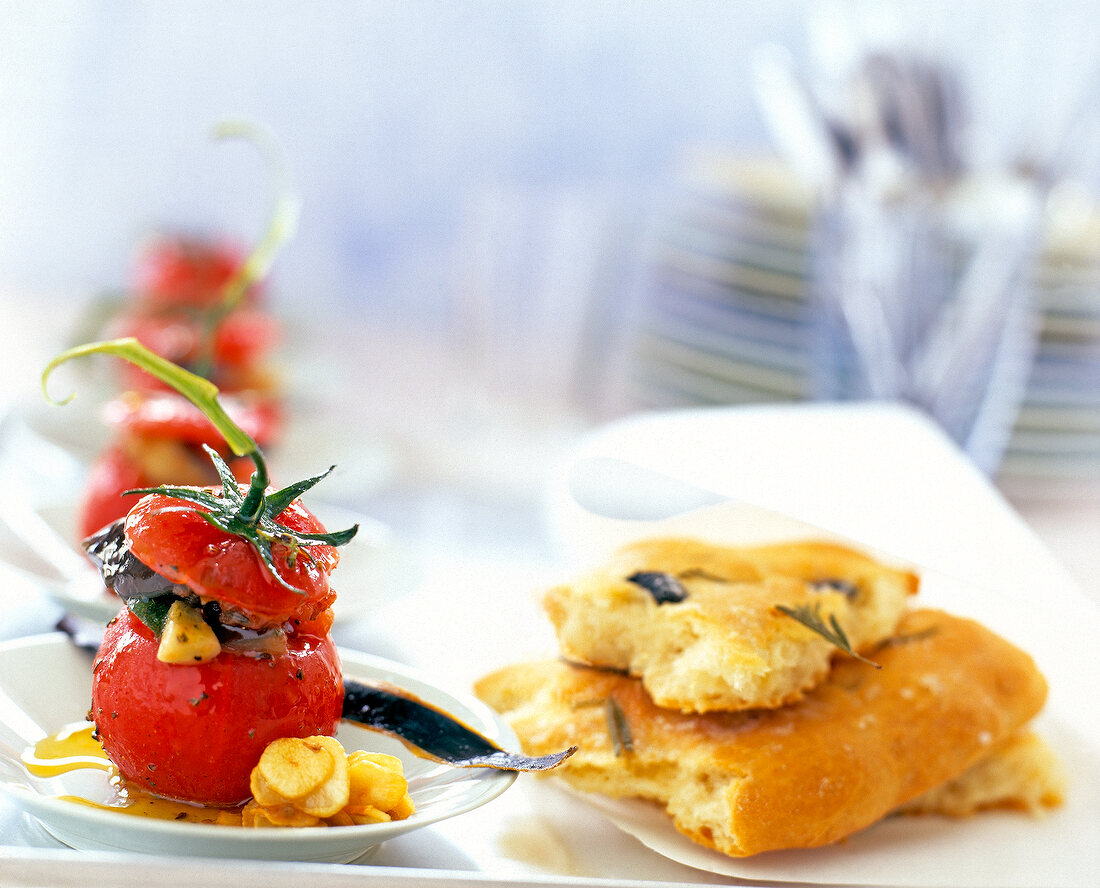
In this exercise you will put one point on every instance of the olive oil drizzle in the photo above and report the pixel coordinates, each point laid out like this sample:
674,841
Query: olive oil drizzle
75,747
71,748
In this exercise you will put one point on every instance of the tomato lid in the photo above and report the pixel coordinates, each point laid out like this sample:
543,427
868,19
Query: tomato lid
170,536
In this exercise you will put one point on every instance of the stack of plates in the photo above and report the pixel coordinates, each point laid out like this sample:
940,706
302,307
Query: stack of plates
1057,434
724,316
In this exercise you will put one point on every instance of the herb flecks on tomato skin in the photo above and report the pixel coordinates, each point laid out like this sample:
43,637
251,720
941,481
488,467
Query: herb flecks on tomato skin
203,727
172,537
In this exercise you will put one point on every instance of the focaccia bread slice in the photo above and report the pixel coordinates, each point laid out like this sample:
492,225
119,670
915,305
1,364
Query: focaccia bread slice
699,624
1021,773
861,744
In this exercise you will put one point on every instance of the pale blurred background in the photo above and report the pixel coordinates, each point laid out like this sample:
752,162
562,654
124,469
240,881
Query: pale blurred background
522,219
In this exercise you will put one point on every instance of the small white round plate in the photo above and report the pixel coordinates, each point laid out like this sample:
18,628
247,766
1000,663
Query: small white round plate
29,710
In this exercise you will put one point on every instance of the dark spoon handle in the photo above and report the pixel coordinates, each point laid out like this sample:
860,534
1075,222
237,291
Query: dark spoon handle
432,732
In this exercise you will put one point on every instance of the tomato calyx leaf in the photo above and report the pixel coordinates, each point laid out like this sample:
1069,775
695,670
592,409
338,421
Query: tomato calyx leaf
234,513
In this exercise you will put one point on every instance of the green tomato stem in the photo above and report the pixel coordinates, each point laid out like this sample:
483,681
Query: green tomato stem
283,220
280,228
199,391
252,509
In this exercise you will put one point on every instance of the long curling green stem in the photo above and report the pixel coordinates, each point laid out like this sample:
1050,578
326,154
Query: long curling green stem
280,228
284,213
200,392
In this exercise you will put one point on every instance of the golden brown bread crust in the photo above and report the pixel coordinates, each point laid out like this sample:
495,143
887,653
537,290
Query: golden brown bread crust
1022,773
855,748
725,646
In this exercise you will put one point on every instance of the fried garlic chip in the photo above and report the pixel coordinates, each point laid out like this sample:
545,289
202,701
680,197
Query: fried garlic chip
332,795
293,767
311,781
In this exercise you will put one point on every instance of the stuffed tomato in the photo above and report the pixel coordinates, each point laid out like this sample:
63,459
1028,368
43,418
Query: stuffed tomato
224,643
195,731
221,649
187,308
187,272
234,350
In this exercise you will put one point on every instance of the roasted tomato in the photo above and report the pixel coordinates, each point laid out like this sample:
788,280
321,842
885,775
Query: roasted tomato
186,271
111,473
172,538
179,287
242,342
168,415
158,438
244,339
194,732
